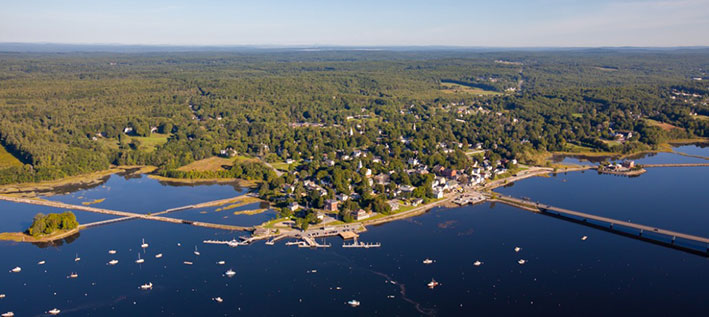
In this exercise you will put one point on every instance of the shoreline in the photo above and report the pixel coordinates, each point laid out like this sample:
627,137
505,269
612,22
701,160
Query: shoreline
22,237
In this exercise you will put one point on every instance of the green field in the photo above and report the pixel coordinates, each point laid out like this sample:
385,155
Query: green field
457,88
7,159
147,143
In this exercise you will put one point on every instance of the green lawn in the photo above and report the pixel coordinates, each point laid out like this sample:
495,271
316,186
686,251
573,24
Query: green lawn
147,143
7,159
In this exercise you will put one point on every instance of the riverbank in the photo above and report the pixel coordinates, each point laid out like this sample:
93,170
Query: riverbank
69,184
204,181
23,237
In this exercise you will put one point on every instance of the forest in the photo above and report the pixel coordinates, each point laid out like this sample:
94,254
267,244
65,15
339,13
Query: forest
66,114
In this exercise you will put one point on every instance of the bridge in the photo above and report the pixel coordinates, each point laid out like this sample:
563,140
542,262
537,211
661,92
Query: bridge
123,214
611,225
676,165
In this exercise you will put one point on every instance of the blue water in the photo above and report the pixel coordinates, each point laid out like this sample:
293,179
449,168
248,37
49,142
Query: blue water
604,275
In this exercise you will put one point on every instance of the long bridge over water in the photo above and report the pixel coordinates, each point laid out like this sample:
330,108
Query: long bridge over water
124,216
643,232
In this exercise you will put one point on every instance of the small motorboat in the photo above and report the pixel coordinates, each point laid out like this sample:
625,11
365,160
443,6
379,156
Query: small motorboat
270,242
427,261
522,261
221,262
195,251
17,269
477,263
2,296
144,245
8,314
112,262
77,258
41,262
139,260
233,243
187,263
159,255
517,249
179,244
73,275
230,273
111,251
353,303
54,311
147,286
432,284
584,238
390,296
218,299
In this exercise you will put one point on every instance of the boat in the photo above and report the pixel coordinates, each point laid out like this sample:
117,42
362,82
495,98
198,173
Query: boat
77,258
159,255
195,251
390,296
427,261
2,296
54,311
73,275
147,286
233,243
187,263
270,242
111,251
17,269
144,245
139,260
230,273
179,244
221,262
112,262
477,263
353,303
433,284
517,249
218,299
584,238
522,261
8,314
41,262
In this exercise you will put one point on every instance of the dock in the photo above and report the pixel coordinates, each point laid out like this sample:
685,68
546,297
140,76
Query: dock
363,245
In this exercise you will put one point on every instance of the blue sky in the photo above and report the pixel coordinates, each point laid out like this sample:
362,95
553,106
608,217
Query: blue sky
513,23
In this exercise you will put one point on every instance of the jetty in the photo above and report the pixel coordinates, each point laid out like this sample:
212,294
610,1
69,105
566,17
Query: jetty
363,245
644,232
125,215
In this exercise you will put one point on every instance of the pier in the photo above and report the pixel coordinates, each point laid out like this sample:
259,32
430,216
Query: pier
646,233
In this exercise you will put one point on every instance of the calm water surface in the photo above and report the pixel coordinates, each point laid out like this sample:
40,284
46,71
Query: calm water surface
606,274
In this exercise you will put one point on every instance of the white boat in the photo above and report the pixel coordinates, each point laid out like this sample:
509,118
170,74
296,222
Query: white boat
230,273
477,263
111,251
159,255
139,260
17,269
584,238
54,311
195,251
73,275
144,245
353,303
41,262
270,242
147,286
2,296
390,296
218,299
433,284
522,261
427,261
179,244
77,258
233,243
517,249
113,262
8,314
221,262
187,263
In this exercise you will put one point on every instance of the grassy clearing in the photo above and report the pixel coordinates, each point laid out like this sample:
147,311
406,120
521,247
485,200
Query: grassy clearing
462,89
7,159
209,164
661,125
147,144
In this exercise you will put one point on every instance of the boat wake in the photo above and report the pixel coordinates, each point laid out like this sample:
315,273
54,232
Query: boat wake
402,291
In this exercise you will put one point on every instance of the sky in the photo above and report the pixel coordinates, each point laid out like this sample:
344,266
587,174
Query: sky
512,23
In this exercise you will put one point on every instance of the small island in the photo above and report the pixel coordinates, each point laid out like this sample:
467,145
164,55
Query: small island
46,228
